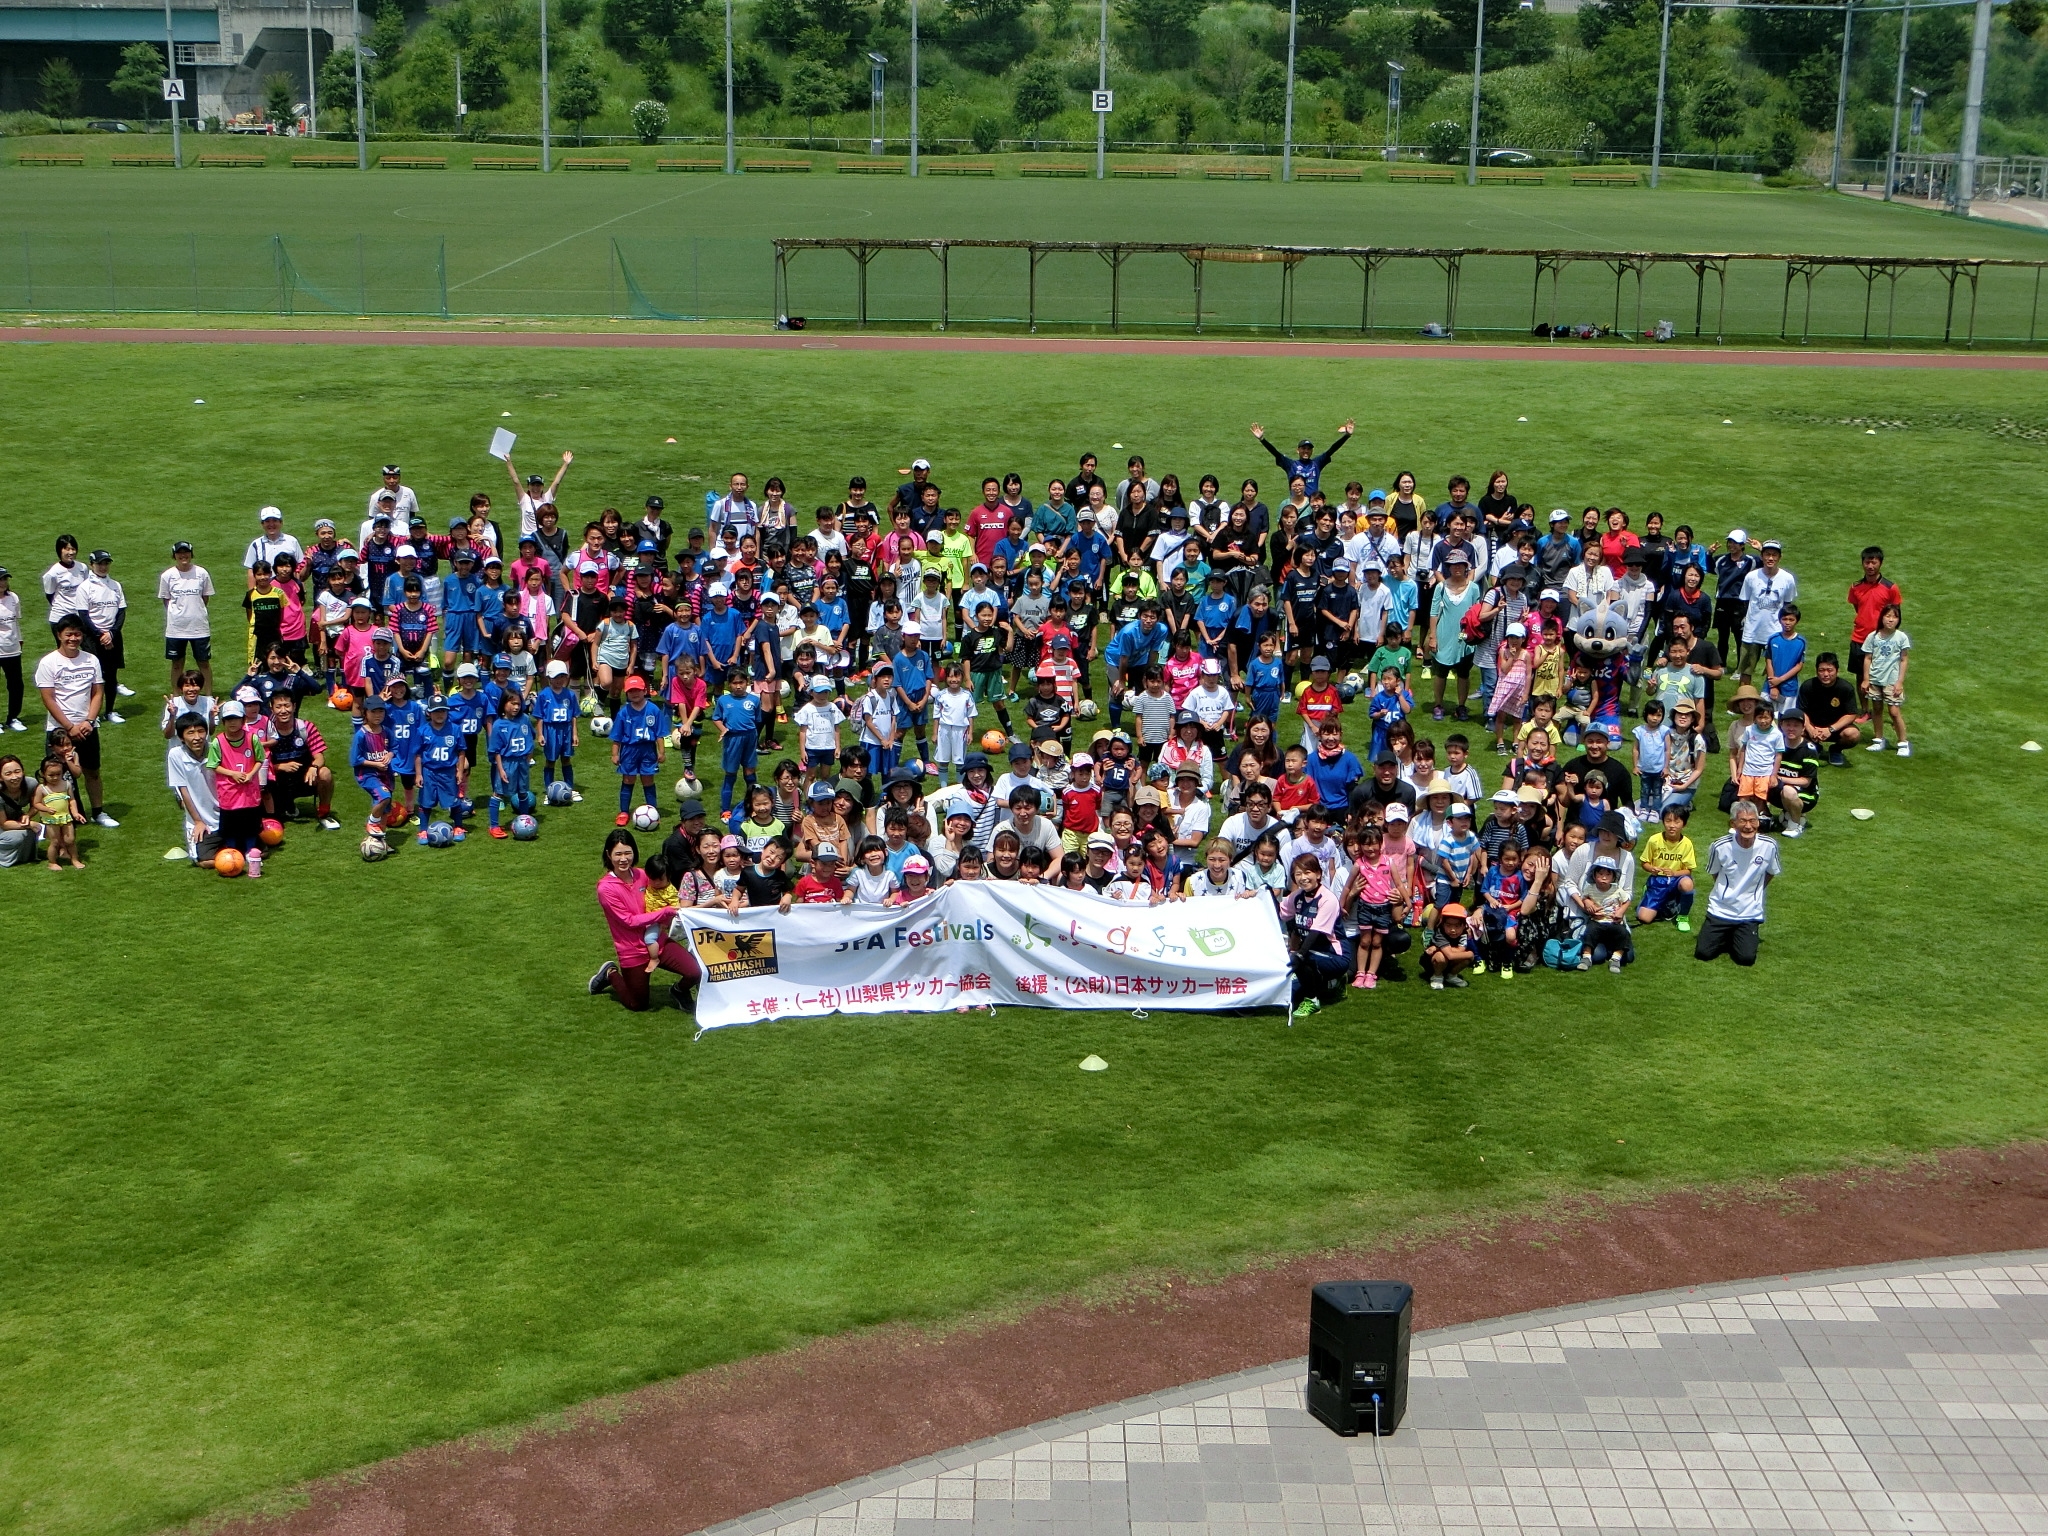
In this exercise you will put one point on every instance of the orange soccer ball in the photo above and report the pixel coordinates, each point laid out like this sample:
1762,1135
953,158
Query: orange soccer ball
994,741
228,863
341,698
272,833
396,816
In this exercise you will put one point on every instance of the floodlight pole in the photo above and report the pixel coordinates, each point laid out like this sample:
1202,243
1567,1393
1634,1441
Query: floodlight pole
1891,159
546,144
913,87
171,73
1663,75
1287,123
356,46
728,88
1478,61
1394,74
1102,84
312,81
1965,189
1842,98
876,121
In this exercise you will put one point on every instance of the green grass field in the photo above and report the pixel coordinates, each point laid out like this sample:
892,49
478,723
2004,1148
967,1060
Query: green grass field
306,1172
146,240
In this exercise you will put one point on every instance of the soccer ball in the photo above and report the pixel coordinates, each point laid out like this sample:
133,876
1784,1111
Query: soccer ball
464,809
396,816
1130,698
525,828
675,737
440,835
600,725
683,790
1086,709
559,793
646,818
341,698
994,741
375,848
587,706
1354,682
272,833
228,863
1346,691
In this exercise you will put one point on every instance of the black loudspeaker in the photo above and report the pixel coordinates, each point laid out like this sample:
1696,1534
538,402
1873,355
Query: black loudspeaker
1358,1350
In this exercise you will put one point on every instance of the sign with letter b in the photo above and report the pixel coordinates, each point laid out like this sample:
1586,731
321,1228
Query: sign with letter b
1105,101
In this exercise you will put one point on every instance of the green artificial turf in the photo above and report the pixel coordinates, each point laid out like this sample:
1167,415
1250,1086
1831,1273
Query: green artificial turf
303,1172
698,245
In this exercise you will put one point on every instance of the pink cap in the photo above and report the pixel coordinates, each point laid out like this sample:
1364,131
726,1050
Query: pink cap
1083,760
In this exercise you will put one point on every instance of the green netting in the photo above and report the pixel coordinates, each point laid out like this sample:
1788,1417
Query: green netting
695,278
200,274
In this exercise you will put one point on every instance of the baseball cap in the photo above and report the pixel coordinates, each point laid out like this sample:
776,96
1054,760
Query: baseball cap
920,463
689,809
977,566
883,666
386,636
1375,494
558,669
821,685
391,469
917,864
232,707
1396,811
1186,717
491,560
1051,748
1083,760
407,549
499,663
910,631
653,504
644,547
467,669
1550,594
1062,640
101,557
360,602
830,851
635,680
1345,565
728,841
1146,795
457,522
1767,544
1559,515
1101,840
1634,556
1212,667
268,513
1519,631
770,597
1386,760
1453,909
436,702
1320,664
822,791
372,701
1603,862
1020,751
1085,516
1737,536
1460,808
718,589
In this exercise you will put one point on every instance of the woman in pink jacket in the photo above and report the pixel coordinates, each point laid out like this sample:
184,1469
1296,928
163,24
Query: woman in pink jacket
622,897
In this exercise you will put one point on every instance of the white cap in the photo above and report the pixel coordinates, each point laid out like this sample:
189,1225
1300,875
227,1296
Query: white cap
1737,536
1559,515
718,589
1519,631
558,669
920,463
1083,760
407,549
1506,797
233,708
910,630
770,597
1212,668
467,669
1460,808
1396,812
268,513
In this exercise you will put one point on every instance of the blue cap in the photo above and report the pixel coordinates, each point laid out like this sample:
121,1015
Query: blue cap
457,522
1375,494
647,547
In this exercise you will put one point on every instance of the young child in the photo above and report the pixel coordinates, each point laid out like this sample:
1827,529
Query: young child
1500,917
876,712
1754,747
1265,679
1606,907
1372,895
954,710
1651,750
555,706
871,883
1294,791
1391,703
639,742
1784,660
55,809
819,720
1464,778
370,760
688,700
1515,669
1450,951
737,714
1668,860
511,749
1155,711
985,646
444,770
1080,805
1183,670
1885,654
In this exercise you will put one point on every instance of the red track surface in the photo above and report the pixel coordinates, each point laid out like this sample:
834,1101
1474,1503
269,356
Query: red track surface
1076,345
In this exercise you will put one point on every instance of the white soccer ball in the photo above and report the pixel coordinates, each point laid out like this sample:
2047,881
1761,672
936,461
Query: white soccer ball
1354,682
600,725
683,790
373,849
1086,709
646,818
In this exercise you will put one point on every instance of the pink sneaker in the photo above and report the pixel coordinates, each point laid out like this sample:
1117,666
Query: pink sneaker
1372,980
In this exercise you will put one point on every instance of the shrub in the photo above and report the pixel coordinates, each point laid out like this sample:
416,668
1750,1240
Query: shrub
1446,140
986,132
58,87
650,120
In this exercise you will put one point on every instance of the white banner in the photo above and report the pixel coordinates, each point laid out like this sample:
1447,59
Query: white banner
986,942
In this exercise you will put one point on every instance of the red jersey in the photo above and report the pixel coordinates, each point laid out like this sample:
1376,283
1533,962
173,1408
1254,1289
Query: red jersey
1081,809
1316,706
986,525
816,890
1290,796
1867,599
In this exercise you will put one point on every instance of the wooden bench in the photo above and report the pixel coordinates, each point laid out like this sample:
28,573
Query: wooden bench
51,160
690,165
776,167
1329,173
1054,170
605,164
1147,172
325,162
233,162
1513,178
959,168
412,162
1605,179
514,163
1238,173
871,167
142,160
1421,173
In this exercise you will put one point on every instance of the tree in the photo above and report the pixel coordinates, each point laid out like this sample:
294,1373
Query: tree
279,97
1330,125
1621,91
1813,86
814,89
1316,62
1446,140
572,13
650,121
579,91
2025,16
1265,96
483,75
1716,110
986,132
753,83
1183,119
1038,95
387,38
1324,15
139,80
987,35
338,86
1168,26
58,88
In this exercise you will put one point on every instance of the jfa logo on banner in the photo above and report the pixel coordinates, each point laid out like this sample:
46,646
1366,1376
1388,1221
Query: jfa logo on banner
734,956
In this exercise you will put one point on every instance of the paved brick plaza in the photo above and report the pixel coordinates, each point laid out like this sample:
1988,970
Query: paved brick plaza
1904,1398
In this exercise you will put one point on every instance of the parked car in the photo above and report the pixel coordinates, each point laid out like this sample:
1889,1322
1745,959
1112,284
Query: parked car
1510,157
105,125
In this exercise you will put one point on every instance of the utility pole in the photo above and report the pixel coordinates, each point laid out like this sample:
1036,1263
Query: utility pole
1891,159
728,88
913,87
1842,98
356,43
1102,86
1478,61
1287,126
546,146
1965,189
170,74
1663,75
313,81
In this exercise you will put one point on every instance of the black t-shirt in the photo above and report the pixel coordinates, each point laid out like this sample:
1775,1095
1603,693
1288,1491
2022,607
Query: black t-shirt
679,852
985,650
1802,762
1824,704
1620,782
760,889
1082,619
1705,653
1046,714
1372,792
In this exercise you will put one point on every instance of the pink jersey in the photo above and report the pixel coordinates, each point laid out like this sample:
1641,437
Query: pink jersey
1183,675
353,645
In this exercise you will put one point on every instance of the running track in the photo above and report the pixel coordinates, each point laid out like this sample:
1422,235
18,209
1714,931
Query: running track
1072,345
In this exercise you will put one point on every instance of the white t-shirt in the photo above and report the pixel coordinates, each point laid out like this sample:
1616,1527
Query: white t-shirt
954,709
1585,588
1191,820
1760,747
206,707
872,890
1239,832
184,595
60,585
71,679
1328,853
189,773
104,599
820,724
264,548
10,624
1212,706
1234,882
1740,875
1374,604
401,515
876,712
929,609
1767,597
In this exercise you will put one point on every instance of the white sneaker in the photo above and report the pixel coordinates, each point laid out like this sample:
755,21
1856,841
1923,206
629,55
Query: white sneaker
124,690
114,719
1795,829
1876,746
575,798
16,725
1905,749
329,824
1436,983
103,819
1614,964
